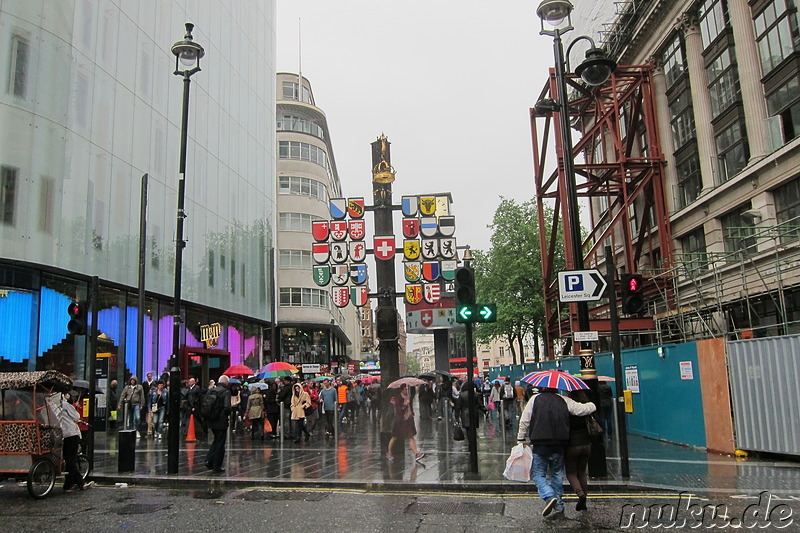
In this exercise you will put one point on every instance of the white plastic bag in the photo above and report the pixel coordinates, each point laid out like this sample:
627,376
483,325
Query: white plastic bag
518,464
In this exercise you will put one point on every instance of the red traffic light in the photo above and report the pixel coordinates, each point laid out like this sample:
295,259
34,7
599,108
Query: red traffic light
634,283
75,310
77,315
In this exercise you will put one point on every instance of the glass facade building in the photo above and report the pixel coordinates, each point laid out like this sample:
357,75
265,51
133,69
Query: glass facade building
88,105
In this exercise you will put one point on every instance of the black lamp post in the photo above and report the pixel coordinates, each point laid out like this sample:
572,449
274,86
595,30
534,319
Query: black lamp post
595,70
187,62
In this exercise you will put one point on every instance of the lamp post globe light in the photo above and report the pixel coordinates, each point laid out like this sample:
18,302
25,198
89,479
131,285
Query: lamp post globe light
594,71
187,62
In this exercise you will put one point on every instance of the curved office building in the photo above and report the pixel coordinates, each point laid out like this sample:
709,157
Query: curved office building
89,103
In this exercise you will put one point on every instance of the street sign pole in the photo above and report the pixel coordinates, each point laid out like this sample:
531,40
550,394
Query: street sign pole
616,353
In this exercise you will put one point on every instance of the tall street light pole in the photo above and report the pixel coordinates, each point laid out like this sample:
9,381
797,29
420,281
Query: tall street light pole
187,62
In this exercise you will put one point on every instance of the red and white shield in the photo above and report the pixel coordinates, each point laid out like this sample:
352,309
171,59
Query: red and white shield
319,229
338,230
355,207
358,251
321,252
426,317
357,229
431,292
384,247
341,296
359,295
410,228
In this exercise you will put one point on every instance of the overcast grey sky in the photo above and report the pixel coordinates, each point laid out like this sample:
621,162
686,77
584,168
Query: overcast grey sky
449,83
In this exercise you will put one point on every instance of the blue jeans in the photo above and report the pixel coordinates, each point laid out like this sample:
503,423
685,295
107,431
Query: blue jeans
552,464
133,417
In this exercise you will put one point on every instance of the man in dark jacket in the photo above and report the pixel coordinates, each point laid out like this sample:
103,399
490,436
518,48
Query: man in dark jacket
217,422
285,398
192,396
545,425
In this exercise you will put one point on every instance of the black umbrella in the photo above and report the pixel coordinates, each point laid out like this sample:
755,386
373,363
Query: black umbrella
427,375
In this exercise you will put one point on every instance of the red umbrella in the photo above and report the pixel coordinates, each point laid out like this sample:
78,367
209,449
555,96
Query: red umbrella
238,370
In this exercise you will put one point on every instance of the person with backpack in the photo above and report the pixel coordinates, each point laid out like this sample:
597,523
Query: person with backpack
215,409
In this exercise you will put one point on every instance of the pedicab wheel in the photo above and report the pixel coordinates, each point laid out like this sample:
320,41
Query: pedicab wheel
84,466
41,478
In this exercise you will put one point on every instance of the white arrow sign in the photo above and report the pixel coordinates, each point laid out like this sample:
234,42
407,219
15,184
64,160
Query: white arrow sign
580,285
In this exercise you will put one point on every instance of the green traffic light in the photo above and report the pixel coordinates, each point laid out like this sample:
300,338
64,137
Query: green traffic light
464,314
486,313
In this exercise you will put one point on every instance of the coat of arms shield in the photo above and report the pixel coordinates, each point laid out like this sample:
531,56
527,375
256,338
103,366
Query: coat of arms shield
411,249
321,251
413,293
339,274
338,208
341,296
338,230
358,251
412,271
320,230
322,275
355,207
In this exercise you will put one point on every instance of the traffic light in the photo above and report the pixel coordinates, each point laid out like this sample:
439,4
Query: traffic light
485,313
77,315
465,295
632,294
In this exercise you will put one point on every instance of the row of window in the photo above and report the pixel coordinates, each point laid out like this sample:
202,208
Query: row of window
296,222
302,151
303,186
300,124
303,297
292,91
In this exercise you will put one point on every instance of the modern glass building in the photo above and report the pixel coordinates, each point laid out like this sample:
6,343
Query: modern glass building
88,105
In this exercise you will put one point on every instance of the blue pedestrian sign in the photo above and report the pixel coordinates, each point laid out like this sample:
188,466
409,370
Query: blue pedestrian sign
580,285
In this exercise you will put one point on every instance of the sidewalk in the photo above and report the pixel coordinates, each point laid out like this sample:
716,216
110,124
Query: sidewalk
354,460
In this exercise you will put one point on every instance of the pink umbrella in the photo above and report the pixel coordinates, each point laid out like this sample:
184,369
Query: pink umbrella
411,382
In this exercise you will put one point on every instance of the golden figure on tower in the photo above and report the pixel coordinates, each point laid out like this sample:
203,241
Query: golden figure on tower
383,171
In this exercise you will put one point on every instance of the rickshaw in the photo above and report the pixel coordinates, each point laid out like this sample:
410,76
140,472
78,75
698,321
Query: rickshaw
30,433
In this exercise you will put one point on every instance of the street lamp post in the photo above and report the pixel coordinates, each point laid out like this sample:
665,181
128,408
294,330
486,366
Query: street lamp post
595,70
187,62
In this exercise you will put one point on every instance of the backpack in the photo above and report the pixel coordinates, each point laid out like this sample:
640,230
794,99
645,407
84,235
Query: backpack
209,408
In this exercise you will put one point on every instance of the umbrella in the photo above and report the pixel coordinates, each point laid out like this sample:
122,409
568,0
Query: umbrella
554,379
238,370
261,386
323,378
410,381
277,369
80,384
427,375
599,378
234,381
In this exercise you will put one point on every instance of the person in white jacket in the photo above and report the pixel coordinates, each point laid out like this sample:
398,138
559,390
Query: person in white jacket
544,425
68,420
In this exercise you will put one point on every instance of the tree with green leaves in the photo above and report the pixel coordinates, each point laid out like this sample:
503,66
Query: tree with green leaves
510,275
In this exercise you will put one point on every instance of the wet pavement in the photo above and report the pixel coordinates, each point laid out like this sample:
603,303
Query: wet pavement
355,459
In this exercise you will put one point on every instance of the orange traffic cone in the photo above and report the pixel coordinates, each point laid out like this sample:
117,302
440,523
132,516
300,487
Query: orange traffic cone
190,432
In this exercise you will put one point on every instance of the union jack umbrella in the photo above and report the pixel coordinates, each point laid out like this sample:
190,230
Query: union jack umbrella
554,379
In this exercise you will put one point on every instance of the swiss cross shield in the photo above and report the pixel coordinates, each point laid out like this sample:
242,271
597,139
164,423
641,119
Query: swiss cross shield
426,317
355,207
356,229
413,293
341,296
449,270
338,207
430,248
384,247
430,270
358,273
339,274
431,292
321,251
428,226
410,228
322,274
412,271
338,230
411,249
319,230
409,205
339,252
358,251
447,226
359,295
427,205
447,247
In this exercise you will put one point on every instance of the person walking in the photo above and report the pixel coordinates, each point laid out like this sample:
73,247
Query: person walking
300,402
507,393
131,402
255,413
68,421
285,400
272,408
606,407
576,457
494,401
159,400
327,397
544,425
404,427
217,407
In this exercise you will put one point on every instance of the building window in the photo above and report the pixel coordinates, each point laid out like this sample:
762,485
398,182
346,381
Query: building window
303,186
291,92
302,151
682,122
20,60
787,210
674,60
295,123
294,259
694,253
296,222
723,83
8,194
785,103
713,20
738,233
690,182
732,150
303,297
776,33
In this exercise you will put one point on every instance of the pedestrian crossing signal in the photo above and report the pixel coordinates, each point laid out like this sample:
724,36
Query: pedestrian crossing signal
632,294
77,314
